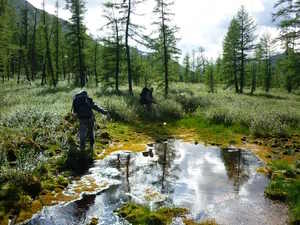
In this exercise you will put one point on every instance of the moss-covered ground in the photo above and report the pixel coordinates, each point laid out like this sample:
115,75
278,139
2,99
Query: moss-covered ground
36,121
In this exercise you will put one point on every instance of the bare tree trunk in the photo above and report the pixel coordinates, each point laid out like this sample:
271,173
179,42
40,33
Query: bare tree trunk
128,50
165,51
80,46
57,46
95,63
33,54
117,57
48,53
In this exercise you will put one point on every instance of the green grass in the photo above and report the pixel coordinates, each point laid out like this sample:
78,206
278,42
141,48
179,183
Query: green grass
142,215
33,120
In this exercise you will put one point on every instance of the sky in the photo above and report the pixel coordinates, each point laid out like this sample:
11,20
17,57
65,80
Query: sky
201,22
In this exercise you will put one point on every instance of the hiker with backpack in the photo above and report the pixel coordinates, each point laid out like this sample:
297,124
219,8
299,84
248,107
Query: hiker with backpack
83,107
146,98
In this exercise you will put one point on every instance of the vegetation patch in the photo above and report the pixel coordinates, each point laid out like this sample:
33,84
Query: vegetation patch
142,215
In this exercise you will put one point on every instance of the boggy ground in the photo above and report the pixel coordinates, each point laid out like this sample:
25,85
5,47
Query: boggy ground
37,137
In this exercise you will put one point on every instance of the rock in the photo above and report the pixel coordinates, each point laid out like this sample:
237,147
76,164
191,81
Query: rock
146,154
11,156
244,138
94,221
58,151
105,135
269,156
150,145
32,186
104,142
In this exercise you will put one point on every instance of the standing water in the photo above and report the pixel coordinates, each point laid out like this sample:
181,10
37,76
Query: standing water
210,182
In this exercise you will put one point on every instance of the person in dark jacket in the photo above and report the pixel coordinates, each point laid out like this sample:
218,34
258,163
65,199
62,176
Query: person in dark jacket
146,98
83,107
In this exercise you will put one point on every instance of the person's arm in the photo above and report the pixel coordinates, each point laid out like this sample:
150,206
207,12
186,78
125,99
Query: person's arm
97,108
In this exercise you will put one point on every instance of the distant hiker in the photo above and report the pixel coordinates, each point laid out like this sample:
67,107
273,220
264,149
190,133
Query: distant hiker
146,98
83,107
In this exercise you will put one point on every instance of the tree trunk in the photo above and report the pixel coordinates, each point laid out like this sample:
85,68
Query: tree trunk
80,45
253,83
33,54
117,57
48,53
165,50
95,64
128,50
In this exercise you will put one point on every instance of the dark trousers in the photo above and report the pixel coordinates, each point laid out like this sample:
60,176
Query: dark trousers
86,130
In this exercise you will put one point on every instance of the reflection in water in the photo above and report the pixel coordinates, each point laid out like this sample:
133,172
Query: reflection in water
210,182
236,167
127,173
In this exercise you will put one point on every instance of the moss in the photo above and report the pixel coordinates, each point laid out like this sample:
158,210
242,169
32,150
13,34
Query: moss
94,221
205,222
141,215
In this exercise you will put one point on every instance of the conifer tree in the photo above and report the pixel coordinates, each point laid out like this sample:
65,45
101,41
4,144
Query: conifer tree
133,32
187,67
267,51
114,21
230,55
76,37
166,37
246,41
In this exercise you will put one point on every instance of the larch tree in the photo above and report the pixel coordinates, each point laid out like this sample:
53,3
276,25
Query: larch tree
166,36
33,47
76,37
57,42
287,14
267,52
247,28
5,37
187,68
24,39
47,57
133,32
230,55
114,21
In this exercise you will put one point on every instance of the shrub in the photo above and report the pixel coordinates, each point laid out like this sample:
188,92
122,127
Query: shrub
220,116
189,103
119,109
265,124
169,109
31,117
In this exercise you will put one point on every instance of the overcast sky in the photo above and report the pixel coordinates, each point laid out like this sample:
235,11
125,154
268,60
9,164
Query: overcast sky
201,22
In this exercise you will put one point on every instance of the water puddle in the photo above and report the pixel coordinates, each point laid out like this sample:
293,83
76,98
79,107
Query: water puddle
210,182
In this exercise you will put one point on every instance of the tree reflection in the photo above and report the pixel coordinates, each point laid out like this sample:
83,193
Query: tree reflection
236,166
166,153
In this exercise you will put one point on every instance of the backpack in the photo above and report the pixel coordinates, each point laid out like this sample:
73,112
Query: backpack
81,106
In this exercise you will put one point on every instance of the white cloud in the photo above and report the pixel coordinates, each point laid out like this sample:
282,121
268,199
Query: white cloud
201,23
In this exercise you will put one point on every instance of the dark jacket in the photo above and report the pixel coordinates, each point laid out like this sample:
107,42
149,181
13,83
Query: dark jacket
85,107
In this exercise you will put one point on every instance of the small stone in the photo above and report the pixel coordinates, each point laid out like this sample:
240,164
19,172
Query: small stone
105,135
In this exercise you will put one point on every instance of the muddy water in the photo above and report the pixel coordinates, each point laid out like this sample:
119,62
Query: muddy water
210,182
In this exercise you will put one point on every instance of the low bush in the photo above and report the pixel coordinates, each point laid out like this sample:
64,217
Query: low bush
268,123
119,109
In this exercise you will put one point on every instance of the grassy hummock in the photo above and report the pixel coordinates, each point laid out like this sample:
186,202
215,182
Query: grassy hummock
142,215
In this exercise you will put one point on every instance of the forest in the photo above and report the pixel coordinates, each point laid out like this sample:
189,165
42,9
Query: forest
221,133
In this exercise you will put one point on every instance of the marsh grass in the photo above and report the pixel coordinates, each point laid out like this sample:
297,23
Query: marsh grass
35,119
